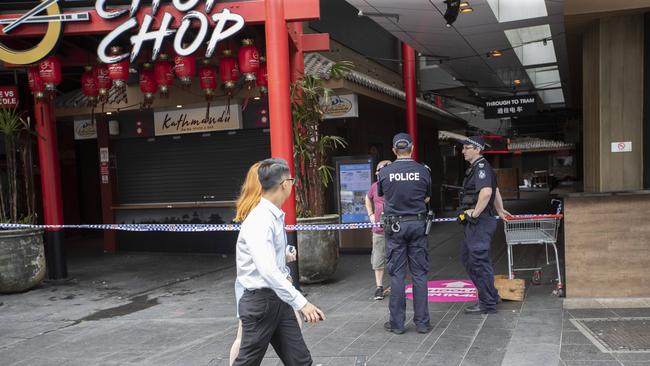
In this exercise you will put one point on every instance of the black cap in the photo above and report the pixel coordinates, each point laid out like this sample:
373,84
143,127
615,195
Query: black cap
402,141
474,140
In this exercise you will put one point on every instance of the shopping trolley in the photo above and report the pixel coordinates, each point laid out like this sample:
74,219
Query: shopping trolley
534,230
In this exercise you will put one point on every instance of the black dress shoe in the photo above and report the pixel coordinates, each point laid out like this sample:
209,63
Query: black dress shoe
389,328
476,309
424,330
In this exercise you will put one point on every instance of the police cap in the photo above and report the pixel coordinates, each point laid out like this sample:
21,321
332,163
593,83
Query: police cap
474,140
402,141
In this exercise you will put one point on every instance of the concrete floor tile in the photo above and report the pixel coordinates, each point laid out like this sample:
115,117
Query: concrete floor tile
586,352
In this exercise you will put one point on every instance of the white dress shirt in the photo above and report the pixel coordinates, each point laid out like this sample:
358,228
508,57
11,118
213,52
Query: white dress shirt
261,254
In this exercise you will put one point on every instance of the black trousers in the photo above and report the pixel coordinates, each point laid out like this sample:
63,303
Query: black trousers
267,319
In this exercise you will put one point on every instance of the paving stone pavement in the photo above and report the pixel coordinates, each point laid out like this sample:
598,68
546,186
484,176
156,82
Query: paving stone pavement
178,309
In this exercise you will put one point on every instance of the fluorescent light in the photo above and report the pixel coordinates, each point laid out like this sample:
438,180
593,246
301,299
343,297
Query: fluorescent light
511,10
466,9
179,106
109,113
495,53
257,97
526,43
464,4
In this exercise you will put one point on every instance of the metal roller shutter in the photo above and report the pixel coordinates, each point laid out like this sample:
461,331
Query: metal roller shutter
192,167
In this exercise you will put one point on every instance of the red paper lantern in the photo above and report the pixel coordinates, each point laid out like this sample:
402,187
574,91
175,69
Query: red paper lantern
89,86
164,71
148,84
50,72
104,82
249,59
229,71
36,84
185,69
208,79
119,71
262,79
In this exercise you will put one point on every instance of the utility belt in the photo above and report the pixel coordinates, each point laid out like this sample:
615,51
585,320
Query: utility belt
392,223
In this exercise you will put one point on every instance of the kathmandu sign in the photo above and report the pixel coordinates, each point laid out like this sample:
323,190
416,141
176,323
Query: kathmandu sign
226,24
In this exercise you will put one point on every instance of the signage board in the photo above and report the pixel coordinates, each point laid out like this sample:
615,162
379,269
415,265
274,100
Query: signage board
195,120
624,146
158,23
341,106
448,291
516,106
355,179
8,96
85,129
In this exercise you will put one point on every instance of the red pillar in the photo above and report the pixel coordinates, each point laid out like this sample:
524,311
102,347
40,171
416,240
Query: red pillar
277,61
408,67
50,170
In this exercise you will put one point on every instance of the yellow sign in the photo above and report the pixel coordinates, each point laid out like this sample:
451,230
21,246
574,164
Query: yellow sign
43,48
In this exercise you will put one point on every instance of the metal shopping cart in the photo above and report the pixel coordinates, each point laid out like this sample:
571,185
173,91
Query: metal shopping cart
538,230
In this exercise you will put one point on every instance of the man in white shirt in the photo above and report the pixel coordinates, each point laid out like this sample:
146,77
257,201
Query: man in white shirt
266,307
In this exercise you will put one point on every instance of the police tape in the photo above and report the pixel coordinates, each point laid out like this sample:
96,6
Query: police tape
232,227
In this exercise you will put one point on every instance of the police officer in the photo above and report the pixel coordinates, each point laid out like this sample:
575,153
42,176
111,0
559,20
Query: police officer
406,187
481,200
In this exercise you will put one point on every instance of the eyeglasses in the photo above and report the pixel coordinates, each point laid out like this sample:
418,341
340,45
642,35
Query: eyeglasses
292,180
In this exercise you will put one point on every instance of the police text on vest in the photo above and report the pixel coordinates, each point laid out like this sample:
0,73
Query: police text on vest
404,176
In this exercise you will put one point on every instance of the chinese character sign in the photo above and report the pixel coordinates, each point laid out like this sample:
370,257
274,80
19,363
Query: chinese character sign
517,106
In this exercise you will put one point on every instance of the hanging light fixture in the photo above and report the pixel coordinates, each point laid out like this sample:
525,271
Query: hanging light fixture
185,68
89,86
119,71
249,60
104,82
208,79
148,85
36,84
262,78
50,72
229,71
164,71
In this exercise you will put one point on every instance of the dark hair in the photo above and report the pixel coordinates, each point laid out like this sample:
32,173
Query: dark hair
272,172
406,150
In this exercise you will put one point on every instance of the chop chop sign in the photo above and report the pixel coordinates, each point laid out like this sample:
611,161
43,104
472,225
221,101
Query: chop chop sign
147,33
154,27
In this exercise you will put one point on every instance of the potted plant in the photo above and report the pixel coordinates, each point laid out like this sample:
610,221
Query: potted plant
318,250
22,258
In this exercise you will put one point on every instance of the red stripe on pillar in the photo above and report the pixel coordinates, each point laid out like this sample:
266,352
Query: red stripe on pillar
408,67
277,52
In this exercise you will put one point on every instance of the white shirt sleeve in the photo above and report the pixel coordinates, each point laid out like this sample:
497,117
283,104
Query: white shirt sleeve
260,243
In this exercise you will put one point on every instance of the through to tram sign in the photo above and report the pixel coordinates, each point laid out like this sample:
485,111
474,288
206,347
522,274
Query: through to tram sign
517,106
152,23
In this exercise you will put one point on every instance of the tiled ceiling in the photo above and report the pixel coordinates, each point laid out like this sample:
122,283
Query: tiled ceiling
462,49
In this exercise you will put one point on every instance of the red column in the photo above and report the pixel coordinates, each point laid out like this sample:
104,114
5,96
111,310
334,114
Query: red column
408,67
277,61
51,186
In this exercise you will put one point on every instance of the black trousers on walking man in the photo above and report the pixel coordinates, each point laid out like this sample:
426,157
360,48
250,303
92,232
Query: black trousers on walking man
265,318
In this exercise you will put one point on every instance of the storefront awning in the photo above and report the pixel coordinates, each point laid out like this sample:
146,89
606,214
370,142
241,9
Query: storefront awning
319,65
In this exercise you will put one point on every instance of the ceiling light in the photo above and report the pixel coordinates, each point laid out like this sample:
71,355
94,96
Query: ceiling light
109,113
179,106
495,53
464,4
516,82
467,10
257,97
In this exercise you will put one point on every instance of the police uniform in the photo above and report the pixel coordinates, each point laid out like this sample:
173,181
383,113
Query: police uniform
476,251
405,184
